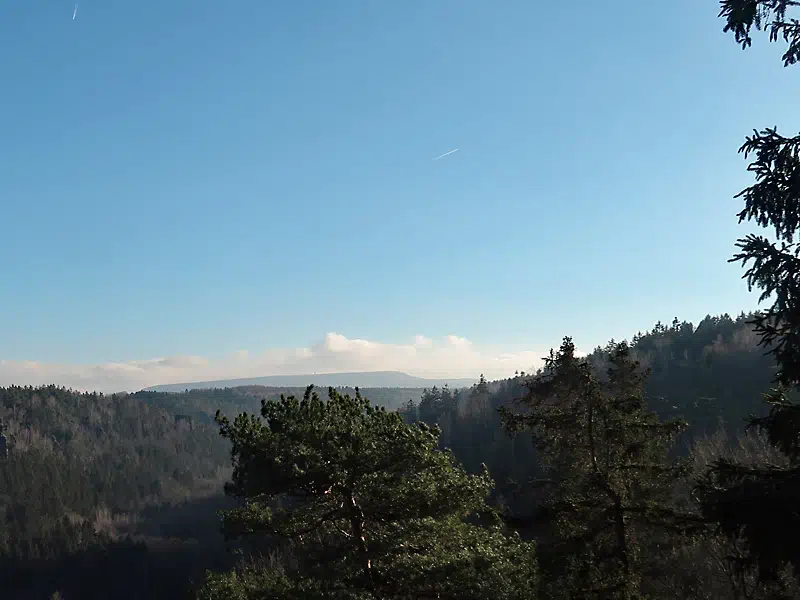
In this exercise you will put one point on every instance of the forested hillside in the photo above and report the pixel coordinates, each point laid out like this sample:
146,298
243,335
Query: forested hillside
131,482
713,375
710,373
88,480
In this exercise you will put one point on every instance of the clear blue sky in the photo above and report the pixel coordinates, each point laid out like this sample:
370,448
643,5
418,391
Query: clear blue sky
189,176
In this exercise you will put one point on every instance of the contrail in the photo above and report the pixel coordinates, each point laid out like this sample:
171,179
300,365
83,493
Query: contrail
75,12
446,154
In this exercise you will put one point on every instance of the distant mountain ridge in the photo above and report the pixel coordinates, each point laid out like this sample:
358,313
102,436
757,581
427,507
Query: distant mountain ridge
369,379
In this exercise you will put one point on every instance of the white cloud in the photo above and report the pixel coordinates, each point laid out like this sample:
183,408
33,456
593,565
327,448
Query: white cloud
421,340
453,356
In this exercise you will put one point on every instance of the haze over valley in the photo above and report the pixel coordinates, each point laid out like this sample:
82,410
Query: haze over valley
451,358
371,379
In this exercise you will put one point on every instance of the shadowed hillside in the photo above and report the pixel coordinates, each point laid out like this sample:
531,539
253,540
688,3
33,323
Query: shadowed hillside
107,489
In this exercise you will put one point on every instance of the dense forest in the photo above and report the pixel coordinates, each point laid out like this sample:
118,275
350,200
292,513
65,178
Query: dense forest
102,482
129,485
132,479
665,466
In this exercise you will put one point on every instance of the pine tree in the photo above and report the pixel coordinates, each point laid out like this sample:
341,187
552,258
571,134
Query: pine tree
608,489
368,505
758,505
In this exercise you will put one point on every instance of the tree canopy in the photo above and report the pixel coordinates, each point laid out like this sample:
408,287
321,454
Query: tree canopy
368,505
754,502
609,480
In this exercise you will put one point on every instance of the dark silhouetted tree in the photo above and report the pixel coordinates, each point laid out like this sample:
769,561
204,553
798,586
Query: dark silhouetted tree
609,480
757,504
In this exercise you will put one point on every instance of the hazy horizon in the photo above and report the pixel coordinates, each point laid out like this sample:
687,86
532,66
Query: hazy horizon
452,357
198,192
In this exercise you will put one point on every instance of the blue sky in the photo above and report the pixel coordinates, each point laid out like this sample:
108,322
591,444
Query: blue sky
191,177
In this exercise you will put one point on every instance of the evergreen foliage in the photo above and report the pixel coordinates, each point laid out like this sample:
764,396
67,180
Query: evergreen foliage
753,503
368,505
609,478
